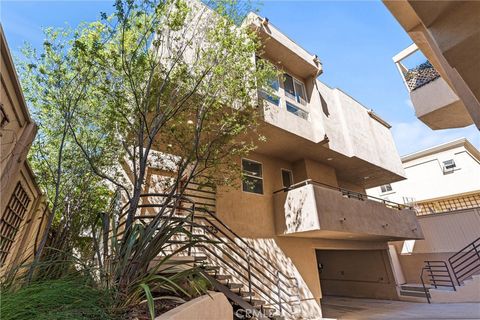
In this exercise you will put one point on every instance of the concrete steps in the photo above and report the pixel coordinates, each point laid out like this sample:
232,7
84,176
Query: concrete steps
469,291
413,292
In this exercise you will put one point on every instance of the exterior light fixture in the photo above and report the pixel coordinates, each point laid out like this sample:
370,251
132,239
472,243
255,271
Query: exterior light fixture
329,159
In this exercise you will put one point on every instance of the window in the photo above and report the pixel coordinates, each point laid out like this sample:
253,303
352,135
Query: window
386,188
272,98
287,178
448,166
252,176
11,220
294,89
297,111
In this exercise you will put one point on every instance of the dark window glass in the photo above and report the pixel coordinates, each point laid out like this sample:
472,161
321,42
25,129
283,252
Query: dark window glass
287,178
252,176
386,188
288,86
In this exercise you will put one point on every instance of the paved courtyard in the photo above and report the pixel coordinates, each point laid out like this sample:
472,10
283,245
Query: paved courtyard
350,308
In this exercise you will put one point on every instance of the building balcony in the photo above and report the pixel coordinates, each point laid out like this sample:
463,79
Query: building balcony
278,47
313,210
436,103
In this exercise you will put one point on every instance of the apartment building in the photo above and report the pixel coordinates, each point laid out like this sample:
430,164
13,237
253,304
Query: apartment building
443,185
23,209
445,89
301,210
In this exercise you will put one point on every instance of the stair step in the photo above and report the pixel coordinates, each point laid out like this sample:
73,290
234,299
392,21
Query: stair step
200,258
413,293
210,268
246,294
414,287
254,302
234,285
222,276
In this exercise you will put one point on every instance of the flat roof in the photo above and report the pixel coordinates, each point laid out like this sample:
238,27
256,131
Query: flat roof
443,147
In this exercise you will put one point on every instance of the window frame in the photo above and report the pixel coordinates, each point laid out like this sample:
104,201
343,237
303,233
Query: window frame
251,176
306,113
291,177
296,96
452,166
387,185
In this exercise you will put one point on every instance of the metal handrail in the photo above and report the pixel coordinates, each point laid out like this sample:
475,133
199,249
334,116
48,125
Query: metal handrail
461,262
253,258
439,275
427,293
349,193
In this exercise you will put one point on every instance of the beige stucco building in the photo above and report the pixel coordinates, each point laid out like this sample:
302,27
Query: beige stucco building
23,209
443,185
445,90
302,204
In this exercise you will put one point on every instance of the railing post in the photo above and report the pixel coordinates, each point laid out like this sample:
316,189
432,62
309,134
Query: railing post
249,270
432,275
424,288
449,275
279,292
192,221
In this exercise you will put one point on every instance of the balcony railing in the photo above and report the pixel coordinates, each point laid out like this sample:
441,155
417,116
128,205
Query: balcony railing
348,194
420,75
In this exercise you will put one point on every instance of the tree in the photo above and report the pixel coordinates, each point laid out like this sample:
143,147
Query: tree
56,82
167,83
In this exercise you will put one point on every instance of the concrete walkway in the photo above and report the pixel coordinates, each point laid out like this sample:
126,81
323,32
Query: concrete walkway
351,308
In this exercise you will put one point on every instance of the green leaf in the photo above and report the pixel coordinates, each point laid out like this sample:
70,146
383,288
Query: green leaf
150,301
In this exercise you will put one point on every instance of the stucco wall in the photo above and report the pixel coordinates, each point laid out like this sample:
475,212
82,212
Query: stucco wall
252,217
317,209
213,306
445,234
353,132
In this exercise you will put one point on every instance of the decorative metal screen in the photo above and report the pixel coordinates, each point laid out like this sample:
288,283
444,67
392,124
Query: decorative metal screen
11,220
420,75
446,205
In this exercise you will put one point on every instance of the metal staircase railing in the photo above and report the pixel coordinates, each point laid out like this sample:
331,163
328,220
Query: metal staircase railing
465,261
229,252
438,275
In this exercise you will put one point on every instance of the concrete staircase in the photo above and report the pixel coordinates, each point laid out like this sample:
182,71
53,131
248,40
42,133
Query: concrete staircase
413,292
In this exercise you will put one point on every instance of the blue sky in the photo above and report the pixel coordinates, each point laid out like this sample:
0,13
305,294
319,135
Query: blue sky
355,40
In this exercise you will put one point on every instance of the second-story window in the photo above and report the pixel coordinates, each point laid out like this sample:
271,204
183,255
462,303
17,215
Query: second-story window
294,89
449,166
274,85
297,111
252,176
386,188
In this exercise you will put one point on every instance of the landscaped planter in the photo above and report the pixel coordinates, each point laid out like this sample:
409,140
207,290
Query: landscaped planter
212,306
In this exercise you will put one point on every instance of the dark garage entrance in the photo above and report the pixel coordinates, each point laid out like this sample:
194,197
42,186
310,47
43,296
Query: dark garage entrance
356,273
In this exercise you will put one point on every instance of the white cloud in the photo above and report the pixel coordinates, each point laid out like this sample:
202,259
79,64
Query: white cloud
414,136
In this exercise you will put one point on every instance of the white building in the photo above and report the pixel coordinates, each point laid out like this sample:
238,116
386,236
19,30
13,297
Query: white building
443,184
439,179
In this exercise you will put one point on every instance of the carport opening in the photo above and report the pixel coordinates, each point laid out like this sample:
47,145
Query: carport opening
356,273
